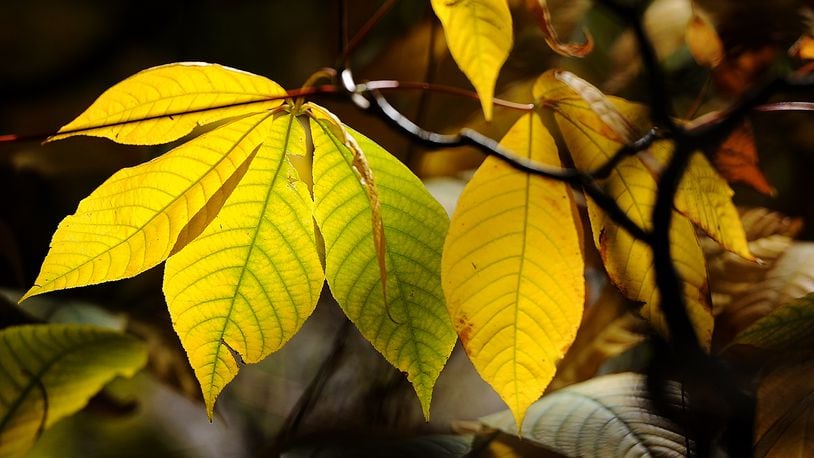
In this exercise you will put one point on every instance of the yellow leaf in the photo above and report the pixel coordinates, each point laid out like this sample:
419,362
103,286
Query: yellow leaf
629,262
703,41
706,199
164,103
479,36
250,280
142,214
48,372
512,270
412,328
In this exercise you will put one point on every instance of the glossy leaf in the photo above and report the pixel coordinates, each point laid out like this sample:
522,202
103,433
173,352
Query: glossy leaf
789,327
512,270
50,371
611,415
412,328
164,103
479,37
249,281
142,214
629,262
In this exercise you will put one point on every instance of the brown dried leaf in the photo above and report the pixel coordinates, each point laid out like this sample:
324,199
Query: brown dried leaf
737,160
539,9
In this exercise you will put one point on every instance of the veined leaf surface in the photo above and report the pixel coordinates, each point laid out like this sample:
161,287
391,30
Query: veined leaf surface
629,262
479,37
250,280
142,214
50,371
512,270
611,415
786,328
419,337
164,103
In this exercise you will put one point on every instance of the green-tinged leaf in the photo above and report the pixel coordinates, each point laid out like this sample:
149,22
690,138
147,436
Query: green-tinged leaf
142,214
512,270
479,37
784,421
412,328
629,262
164,103
50,371
250,280
789,327
606,416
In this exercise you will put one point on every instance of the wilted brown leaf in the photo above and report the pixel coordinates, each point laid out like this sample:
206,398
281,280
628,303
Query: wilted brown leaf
737,160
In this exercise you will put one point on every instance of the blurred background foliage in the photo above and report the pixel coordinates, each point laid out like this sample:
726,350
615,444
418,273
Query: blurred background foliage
327,385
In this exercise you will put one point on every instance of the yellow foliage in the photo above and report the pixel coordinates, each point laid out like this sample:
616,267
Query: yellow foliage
513,270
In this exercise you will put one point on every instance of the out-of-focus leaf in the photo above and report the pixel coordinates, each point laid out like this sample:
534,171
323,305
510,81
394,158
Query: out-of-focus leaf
608,329
441,446
629,262
606,416
58,310
412,328
539,9
250,280
784,424
792,276
479,36
803,48
761,222
789,327
142,214
512,270
703,41
737,160
50,371
164,103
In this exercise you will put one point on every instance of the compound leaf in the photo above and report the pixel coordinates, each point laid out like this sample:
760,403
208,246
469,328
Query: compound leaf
512,270
411,328
250,280
142,214
164,103
479,37
50,371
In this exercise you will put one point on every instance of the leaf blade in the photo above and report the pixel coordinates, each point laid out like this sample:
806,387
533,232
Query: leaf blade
250,280
142,214
51,371
164,103
421,340
479,37
516,299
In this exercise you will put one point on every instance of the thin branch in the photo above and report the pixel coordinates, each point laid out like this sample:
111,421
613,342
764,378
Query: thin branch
365,29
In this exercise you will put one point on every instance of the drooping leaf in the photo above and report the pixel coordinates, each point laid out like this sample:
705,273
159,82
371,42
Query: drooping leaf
737,160
50,371
784,423
512,270
479,36
629,262
789,327
142,214
250,280
164,103
539,9
412,328
705,198
611,415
